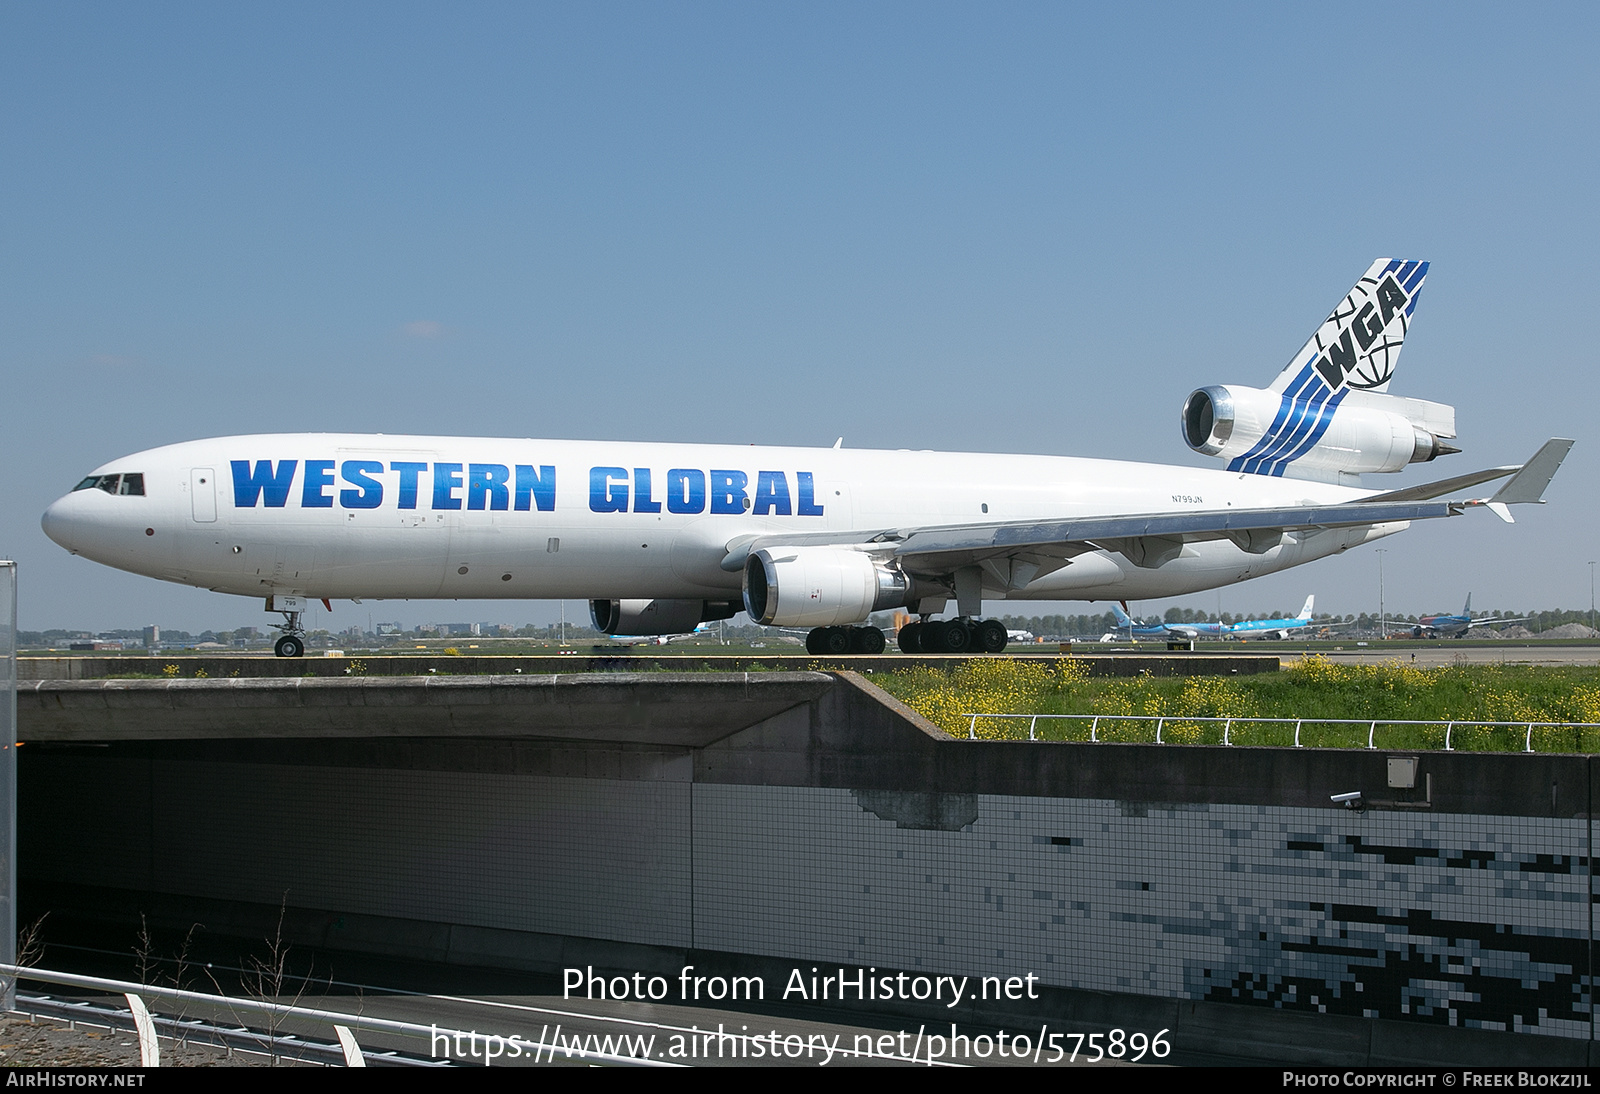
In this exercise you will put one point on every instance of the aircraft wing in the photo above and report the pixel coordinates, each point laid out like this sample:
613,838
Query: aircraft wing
1492,621
1439,489
1148,539
1527,484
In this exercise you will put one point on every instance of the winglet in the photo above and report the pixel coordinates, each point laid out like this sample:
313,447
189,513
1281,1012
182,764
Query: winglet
1528,485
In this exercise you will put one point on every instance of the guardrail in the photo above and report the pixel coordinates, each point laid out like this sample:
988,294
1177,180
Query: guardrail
1162,721
272,1040
185,1031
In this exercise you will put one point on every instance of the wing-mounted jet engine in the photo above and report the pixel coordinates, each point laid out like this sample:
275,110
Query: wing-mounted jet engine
1328,416
653,618
823,587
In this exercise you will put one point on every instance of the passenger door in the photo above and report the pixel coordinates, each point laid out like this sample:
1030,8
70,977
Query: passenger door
203,495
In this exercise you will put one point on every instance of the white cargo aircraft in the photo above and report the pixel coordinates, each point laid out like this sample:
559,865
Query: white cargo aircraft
663,537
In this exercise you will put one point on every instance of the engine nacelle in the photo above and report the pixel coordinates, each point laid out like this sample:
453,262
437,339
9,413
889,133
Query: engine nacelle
656,617
820,586
1265,432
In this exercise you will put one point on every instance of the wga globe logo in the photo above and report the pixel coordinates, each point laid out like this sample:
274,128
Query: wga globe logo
1360,342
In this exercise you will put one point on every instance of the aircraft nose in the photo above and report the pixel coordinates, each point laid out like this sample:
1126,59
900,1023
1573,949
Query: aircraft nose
55,523
66,522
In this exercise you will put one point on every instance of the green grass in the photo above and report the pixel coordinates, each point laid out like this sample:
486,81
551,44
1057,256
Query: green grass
1311,689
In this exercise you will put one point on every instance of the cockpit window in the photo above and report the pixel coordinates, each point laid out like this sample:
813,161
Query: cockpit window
130,484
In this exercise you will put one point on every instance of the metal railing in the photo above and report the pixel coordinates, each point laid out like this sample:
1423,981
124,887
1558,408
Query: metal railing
1161,721
273,1040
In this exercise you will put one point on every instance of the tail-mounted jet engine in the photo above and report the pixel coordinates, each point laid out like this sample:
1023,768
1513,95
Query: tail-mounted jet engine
820,586
1269,433
657,617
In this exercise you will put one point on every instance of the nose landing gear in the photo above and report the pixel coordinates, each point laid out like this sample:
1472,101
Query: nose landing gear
293,641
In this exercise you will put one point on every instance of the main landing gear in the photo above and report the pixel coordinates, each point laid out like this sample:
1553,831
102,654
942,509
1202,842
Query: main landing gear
838,640
953,636
923,636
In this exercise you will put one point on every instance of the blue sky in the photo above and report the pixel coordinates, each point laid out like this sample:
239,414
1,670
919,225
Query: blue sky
1020,227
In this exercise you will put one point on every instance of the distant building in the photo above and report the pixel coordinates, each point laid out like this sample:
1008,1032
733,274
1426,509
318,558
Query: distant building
152,637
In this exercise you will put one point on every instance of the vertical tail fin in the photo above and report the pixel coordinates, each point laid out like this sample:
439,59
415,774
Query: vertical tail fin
1122,617
1282,430
1305,612
1467,610
1359,344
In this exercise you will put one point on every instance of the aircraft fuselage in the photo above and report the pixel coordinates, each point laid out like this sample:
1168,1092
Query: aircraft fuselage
357,516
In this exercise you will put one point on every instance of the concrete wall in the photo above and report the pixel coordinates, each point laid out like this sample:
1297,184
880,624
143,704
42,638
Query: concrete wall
1222,661
841,828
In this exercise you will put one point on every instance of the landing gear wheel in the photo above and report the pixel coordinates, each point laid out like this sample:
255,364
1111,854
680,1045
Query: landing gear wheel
289,646
831,641
991,636
866,640
954,636
910,638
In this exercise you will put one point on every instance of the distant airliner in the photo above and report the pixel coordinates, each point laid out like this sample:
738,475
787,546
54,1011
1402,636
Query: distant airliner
1128,627
1453,626
1274,628
659,639
1245,628
663,537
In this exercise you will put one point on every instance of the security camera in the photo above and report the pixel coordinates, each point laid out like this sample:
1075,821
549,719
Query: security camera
1350,800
